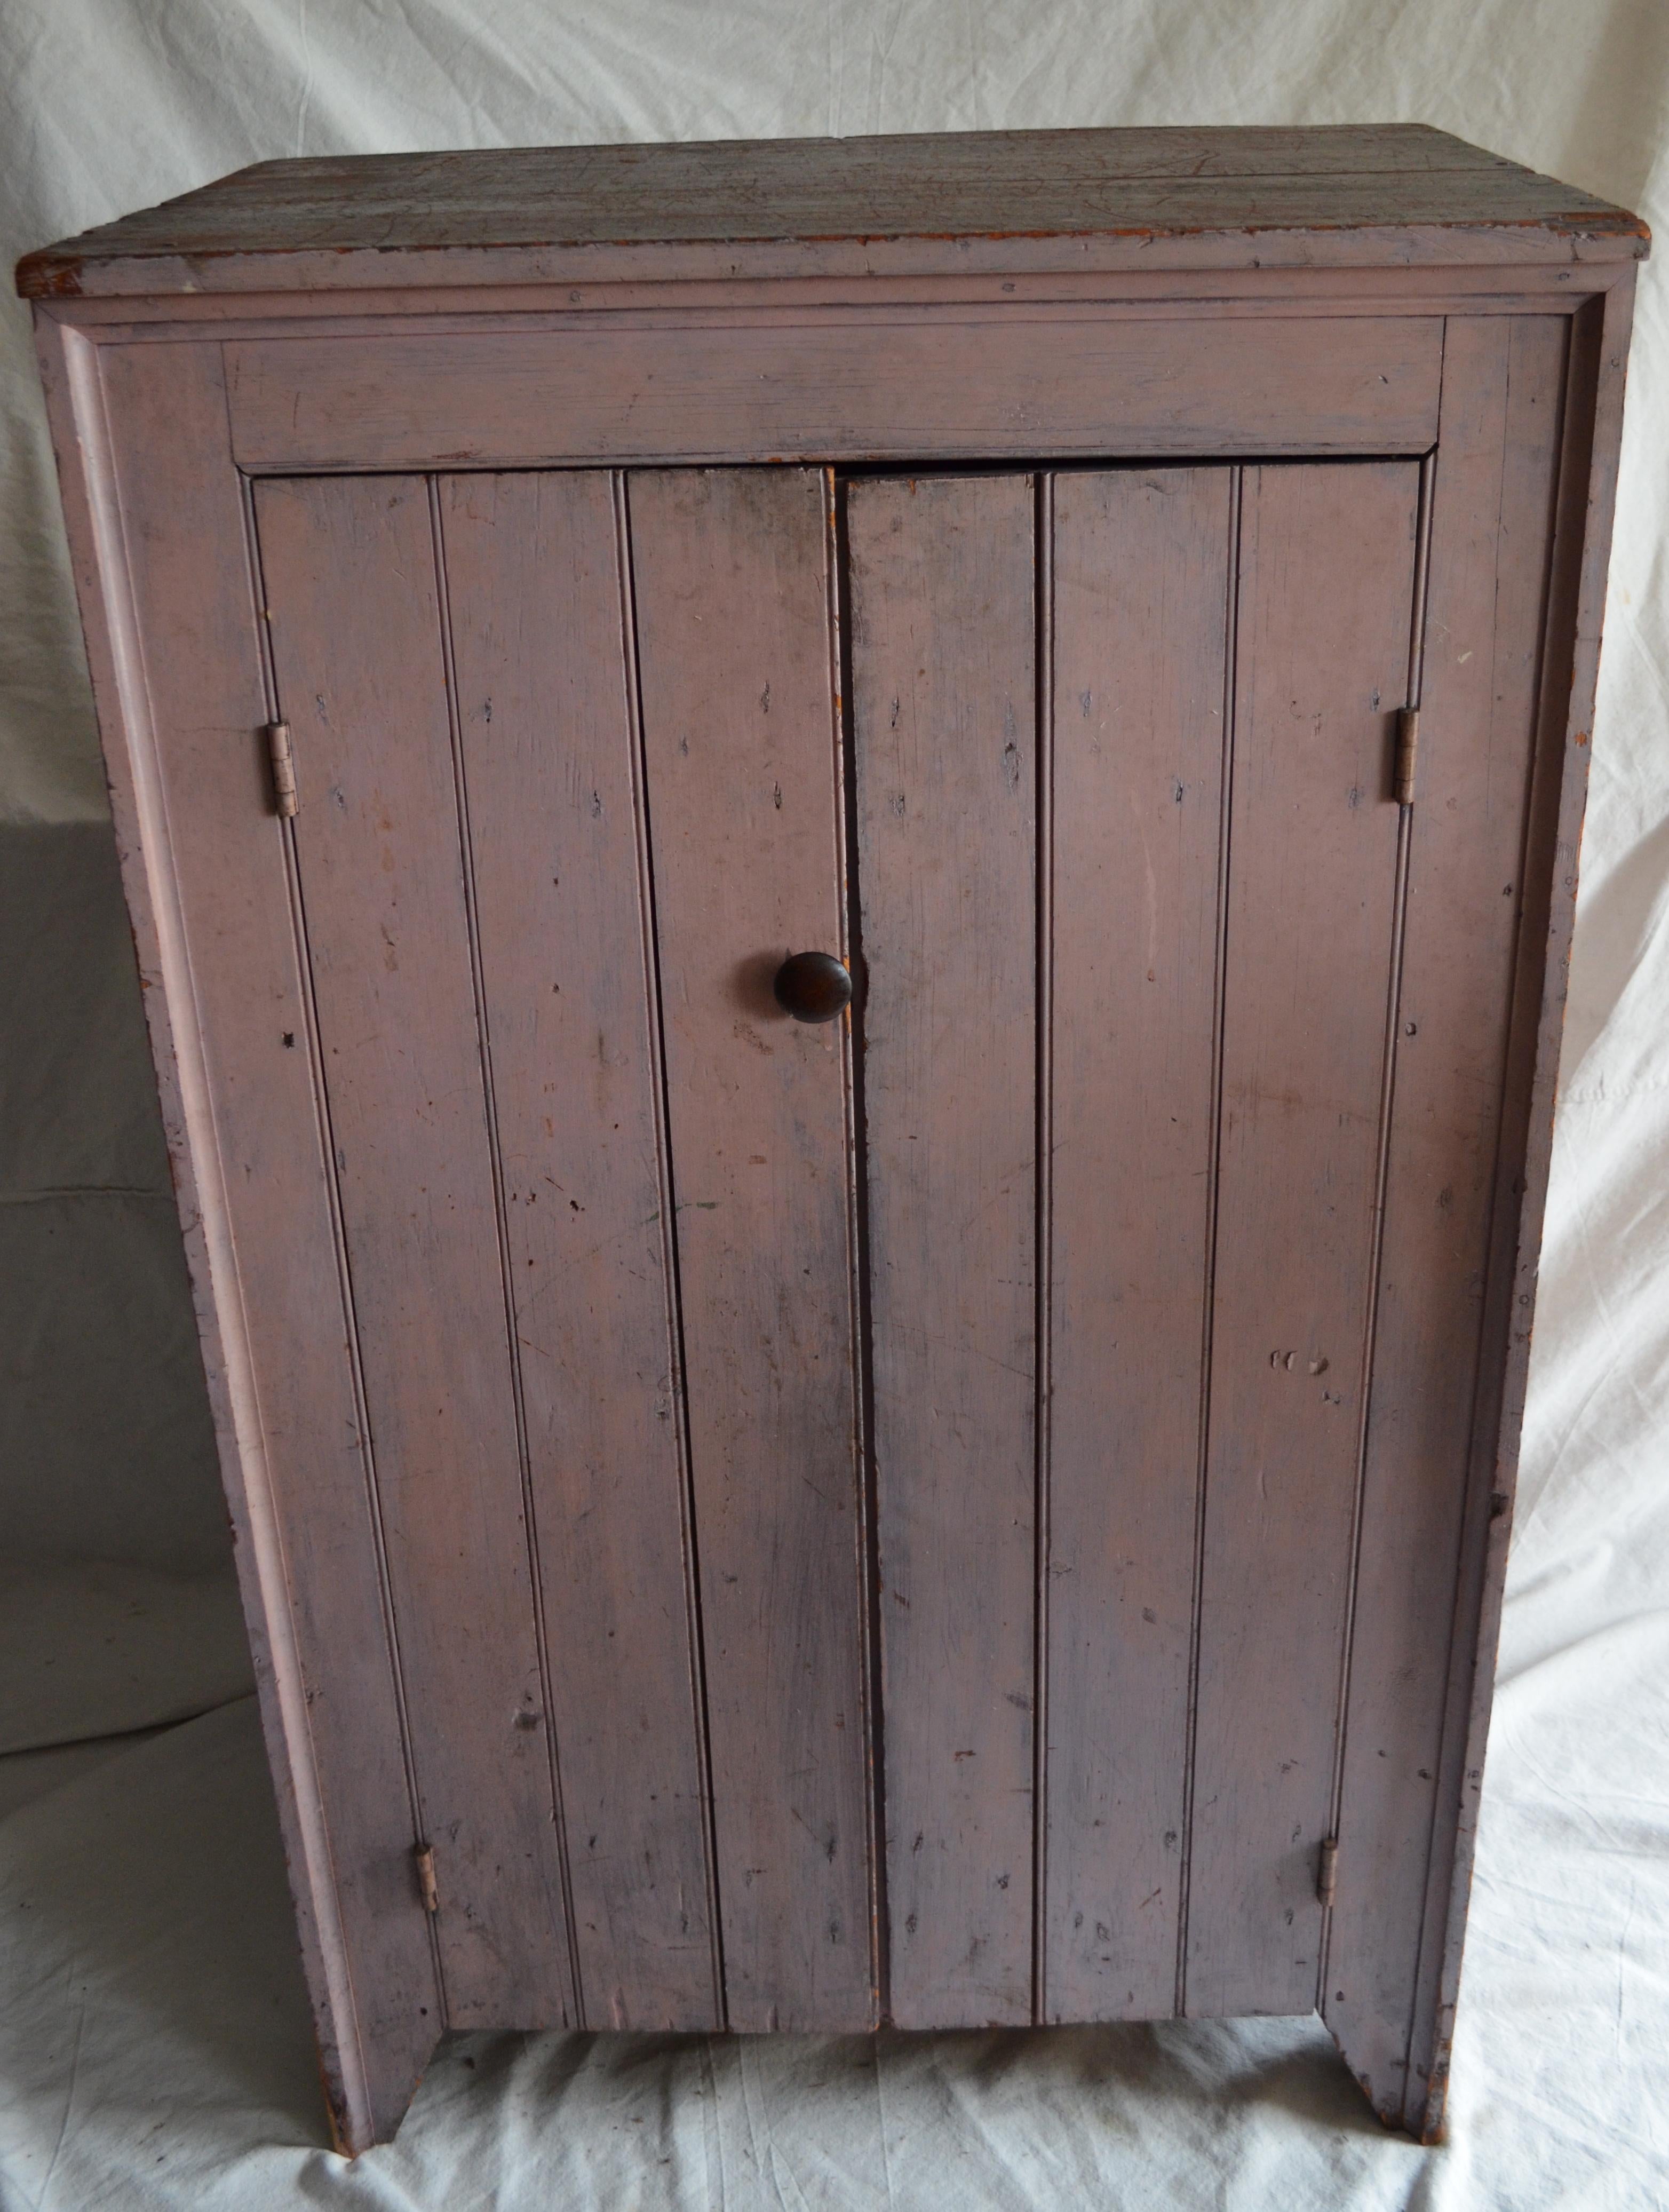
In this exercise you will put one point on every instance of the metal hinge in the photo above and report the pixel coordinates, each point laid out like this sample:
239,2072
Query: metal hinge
424,1856
283,767
1408,753
1327,1872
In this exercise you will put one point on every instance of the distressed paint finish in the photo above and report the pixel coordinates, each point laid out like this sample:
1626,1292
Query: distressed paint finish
731,571
388,938
207,875
859,206
1587,481
1005,294
1491,536
1142,578
534,587
1325,606
944,658
953,384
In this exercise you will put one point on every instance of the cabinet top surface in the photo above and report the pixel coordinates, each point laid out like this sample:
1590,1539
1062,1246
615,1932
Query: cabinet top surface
1375,194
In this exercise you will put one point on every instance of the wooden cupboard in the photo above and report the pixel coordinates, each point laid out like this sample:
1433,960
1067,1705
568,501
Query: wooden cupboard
983,1504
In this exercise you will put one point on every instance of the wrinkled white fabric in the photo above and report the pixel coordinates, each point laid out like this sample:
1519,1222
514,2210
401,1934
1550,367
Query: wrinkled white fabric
155,2053
154,2049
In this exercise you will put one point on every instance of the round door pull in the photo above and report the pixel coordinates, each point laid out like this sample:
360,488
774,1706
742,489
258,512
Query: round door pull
813,987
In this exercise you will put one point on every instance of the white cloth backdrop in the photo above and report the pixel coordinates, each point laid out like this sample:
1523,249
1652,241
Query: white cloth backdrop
154,2049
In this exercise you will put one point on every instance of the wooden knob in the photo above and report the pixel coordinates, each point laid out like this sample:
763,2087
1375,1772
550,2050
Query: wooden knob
813,987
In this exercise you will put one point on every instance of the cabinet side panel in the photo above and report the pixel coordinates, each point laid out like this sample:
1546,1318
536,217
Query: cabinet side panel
1491,533
1141,599
1325,598
1588,458
731,574
352,599
943,662
188,763
535,590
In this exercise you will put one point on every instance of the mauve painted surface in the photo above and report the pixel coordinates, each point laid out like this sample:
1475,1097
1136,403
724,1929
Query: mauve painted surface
1142,566
945,727
788,385
380,855
542,655
357,1060
257,1175
1324,609
1491,539
736,653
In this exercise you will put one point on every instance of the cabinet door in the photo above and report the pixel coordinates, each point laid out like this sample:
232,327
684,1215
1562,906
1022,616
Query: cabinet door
568,760
1128,860
1101,1160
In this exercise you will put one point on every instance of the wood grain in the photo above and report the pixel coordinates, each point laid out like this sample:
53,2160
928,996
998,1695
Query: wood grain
1492,527
1325,602
205,869
944,679
844,389
740,737
568,209
1140,648
388,938
535,592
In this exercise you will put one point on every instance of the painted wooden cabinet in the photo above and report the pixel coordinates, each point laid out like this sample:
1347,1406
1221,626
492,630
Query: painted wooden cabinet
983,1504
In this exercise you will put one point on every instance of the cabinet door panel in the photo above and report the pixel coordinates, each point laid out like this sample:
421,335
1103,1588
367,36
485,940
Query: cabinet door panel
734,596
943,662
564,1104
1322,652
1141,578
352,586
535,593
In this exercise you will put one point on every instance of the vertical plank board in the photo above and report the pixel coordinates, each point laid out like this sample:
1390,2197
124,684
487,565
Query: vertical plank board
1140,645
210,871
352,589
1325,603
535,589
943,686
741,741
1491,532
